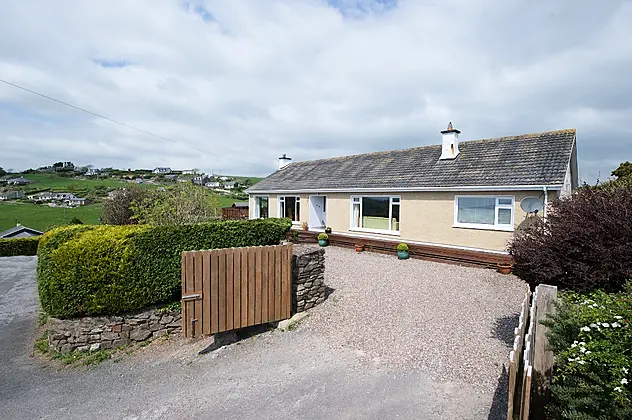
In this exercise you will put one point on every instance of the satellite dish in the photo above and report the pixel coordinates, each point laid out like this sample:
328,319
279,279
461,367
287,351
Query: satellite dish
532,205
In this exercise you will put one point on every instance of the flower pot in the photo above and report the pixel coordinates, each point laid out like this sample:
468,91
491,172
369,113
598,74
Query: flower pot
323,242
402,255
359,248
505,268
328,230
304,227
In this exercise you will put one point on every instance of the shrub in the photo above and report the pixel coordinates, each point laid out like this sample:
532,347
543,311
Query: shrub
94,270
323,237
584,244
117,210
402,247
19,246
591,336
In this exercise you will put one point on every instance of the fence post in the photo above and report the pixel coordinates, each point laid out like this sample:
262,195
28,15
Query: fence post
543,357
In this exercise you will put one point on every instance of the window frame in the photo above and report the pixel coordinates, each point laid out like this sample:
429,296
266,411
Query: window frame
390,214
297,207
482,226
255,209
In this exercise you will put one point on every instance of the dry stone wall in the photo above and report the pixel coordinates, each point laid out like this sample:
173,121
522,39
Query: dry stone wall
308,277
94,333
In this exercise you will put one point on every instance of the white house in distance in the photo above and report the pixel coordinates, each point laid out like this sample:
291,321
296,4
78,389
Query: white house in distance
162,170
470,195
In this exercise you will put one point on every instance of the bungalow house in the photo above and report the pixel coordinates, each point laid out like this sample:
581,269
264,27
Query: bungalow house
212,184
18,181
19,232
11,195
463,195
230,185
93,172
162,170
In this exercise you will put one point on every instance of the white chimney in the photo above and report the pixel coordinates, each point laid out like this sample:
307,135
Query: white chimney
284,161
450,143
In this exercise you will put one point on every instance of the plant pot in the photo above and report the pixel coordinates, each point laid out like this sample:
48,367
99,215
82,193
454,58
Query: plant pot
323,242
328,231
402,255
359,248
304,227
505,268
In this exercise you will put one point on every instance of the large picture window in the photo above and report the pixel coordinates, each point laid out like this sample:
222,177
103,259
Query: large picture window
261,207
375,214
290,207
484,212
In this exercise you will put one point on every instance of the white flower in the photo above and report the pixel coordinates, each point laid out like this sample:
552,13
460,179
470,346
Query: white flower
617,389
618,317
573,345
625,370
588,352
585,328
624,381
605,324
581,362
616,324
581,343
582,349
594,326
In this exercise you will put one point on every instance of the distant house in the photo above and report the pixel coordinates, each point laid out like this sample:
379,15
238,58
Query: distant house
4,179
212,184
19,232
66,166
171,177
93,172
18,181
230,185
11,195
224,178
76,201
189,172
162,170
201,179
240,205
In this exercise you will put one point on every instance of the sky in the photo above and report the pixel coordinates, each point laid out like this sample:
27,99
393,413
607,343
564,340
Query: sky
235,84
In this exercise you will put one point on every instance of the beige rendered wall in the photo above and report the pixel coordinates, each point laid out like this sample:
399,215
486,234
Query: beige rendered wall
424,217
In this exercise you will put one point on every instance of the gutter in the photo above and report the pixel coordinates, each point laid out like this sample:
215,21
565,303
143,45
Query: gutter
553,187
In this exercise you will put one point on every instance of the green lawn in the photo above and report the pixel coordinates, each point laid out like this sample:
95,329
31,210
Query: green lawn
56,182
44,217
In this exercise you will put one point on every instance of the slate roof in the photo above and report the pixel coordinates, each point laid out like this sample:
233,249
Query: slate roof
529,159
19,231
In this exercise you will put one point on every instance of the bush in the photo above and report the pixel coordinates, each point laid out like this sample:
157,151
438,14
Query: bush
19,246
585,243
323,237
402,247
99,270
117,210
591,336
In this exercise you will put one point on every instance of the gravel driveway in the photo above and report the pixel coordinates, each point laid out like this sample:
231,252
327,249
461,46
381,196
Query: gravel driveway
396,339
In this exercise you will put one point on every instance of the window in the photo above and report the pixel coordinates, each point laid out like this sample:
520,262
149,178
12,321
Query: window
484,212
261,207
375,213
290,207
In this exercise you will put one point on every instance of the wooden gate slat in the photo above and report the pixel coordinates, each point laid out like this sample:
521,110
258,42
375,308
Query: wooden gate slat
277,282
197,267
230,289
286,286
258,267
185,311
214,292
265,285
252,264
244,286
190,289
206,293
237,288
272,281
222,289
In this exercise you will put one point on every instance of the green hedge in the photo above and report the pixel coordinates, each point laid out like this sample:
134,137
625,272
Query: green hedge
19,246
99,270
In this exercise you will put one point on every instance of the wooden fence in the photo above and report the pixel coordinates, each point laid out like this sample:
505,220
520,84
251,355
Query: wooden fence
226,289
531,357
235,213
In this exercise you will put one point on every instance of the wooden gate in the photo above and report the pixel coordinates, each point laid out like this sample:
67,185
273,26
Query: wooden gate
226,289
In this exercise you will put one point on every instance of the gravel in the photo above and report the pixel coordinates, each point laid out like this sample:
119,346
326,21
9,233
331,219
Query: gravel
455,323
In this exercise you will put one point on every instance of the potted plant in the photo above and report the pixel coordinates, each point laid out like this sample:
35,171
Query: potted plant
323,239
328,229
359,247
505,267
402,251
304,225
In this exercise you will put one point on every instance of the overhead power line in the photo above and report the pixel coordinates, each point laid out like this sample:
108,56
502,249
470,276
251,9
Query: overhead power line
127,125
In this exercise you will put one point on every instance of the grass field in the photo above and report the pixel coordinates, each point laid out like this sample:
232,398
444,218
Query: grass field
44,217
55,182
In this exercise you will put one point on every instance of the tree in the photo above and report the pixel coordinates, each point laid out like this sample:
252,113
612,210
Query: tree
118,209
182,204
2,172
624,170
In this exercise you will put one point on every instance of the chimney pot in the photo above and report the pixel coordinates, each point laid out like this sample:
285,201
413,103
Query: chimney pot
284,161
449,143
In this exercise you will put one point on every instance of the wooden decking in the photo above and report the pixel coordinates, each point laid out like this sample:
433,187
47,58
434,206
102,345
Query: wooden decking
473,258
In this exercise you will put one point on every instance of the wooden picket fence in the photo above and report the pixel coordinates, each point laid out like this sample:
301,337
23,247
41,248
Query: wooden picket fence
530,356
226,289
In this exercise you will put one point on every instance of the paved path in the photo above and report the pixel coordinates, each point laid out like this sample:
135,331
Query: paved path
274,375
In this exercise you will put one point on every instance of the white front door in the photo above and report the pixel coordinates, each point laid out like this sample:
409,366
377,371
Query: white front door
317,211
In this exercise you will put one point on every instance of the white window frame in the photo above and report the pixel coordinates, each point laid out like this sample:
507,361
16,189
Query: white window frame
281,199
390,214
482,226
255,210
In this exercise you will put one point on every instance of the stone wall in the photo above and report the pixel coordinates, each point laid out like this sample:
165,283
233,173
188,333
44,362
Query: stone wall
94,333
308,277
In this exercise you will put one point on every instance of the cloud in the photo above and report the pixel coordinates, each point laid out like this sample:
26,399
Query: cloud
246,81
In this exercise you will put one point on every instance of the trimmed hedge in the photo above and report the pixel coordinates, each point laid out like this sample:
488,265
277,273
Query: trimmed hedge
105,270
19,246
